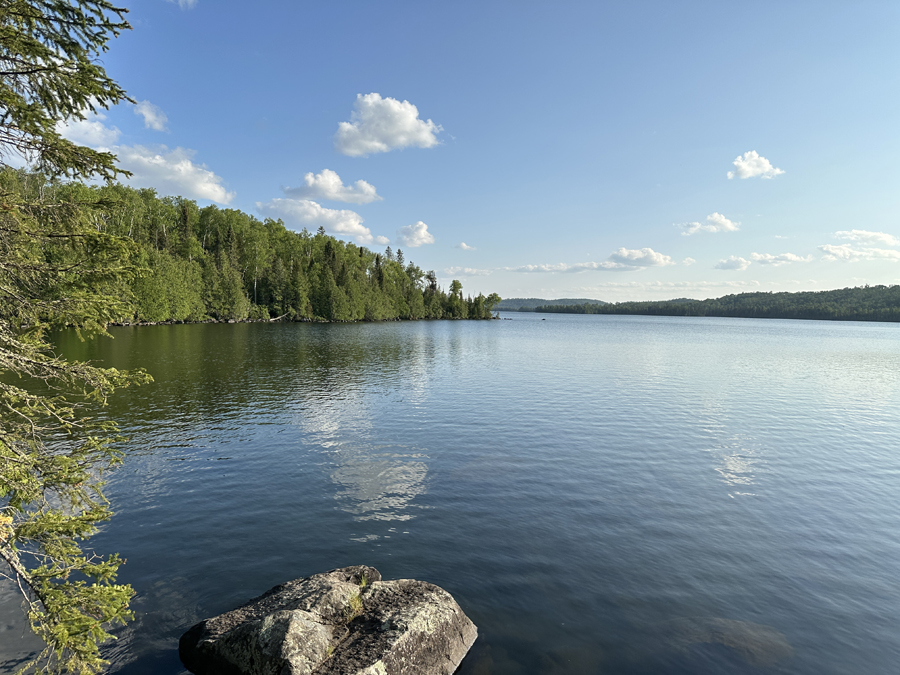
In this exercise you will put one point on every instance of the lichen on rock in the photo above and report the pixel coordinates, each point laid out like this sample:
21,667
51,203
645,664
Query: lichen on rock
346,621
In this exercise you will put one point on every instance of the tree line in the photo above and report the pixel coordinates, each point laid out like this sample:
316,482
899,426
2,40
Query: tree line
862,303
529,304
209,263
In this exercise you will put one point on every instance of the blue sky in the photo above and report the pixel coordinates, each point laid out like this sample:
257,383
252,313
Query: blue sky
578,149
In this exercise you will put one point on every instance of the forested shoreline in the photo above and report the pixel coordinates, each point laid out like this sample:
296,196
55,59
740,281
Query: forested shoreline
211,264
529,304
863,303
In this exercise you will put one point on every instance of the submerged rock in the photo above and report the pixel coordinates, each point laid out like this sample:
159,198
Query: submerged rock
346,621
756,644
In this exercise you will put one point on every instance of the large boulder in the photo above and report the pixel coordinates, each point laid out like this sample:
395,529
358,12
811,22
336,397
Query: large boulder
344,622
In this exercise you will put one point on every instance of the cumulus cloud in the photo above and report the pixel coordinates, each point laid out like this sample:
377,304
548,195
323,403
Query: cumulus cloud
751,165
328,185
778,260
641,257
154,117
465,247
467,271
171,172
715,222
90,131
382,124
687,262
869,237
623,259
415,235
300,213
733,263
847,253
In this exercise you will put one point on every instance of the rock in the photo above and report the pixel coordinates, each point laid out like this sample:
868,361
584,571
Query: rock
756,644
343,622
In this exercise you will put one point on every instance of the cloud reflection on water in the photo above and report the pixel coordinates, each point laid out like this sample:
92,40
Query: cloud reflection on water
738,456
379,483
375,481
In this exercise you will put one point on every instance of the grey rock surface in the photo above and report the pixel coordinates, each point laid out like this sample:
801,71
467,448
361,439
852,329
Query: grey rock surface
343,622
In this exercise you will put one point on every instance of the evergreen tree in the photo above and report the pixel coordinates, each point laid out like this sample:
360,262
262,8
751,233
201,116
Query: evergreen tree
59,266
51,73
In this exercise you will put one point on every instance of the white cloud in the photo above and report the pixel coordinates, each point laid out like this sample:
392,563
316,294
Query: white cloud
752,165
467,271
154,117
465,247
171,172
561,267
617,291
715,222
623,259
733,263
688,262
867,236
670,285
184,4
90,131
307,213
778,260
415,235
848,253
381,124
641,257
328,185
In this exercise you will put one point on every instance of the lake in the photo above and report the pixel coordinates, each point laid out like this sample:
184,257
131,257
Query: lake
601,494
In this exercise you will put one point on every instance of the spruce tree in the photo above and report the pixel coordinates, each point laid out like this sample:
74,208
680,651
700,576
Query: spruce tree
57,269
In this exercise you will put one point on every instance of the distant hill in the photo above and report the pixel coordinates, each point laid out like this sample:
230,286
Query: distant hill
863,303
528,304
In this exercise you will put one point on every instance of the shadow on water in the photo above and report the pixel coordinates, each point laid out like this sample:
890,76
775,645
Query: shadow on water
14,631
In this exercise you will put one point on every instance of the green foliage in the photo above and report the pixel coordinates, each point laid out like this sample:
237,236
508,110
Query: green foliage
222,264
50,74
354,607
529,304
864,303
169,289
58,270
59,267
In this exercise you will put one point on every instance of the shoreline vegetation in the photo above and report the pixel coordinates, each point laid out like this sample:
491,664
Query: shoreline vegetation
529,304
862,303
202,265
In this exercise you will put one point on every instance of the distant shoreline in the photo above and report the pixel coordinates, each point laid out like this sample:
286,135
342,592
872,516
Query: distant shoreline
862,303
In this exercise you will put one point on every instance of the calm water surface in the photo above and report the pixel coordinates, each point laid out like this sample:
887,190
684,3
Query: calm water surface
602,494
